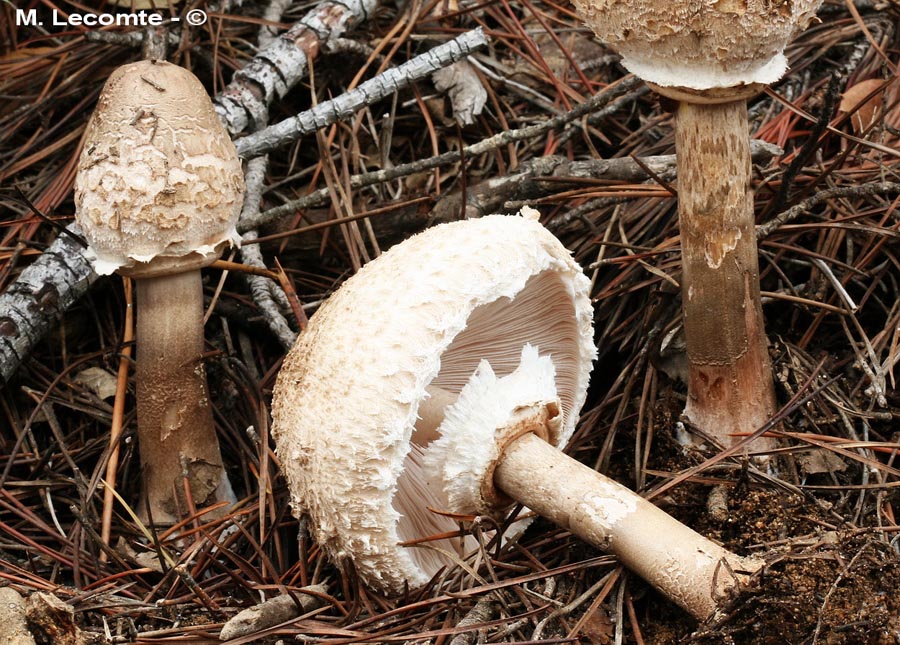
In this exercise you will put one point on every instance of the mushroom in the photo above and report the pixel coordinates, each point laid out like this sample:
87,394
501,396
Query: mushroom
157,195
478,348
710,56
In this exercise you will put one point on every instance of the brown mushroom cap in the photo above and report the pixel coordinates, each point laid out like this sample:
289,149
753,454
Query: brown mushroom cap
700,44
426,313
158,175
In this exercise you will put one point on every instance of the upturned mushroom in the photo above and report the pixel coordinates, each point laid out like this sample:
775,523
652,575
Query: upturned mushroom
710,57
478,348
157,194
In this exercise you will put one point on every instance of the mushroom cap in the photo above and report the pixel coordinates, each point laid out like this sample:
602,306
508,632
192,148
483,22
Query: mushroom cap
427,312
158,178
700,44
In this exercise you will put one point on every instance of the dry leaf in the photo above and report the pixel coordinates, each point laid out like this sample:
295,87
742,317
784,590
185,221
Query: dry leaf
598,628
865,112
467,95
98,381
820,460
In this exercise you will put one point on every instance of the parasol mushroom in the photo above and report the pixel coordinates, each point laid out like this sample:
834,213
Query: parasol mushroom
710,57
158,192
478,347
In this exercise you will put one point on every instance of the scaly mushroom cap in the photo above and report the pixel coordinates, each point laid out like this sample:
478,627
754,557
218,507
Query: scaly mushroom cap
700,44
427,312
158,175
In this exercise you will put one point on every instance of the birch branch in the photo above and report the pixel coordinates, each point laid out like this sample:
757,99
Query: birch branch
40,295
266,293
375,89
243,104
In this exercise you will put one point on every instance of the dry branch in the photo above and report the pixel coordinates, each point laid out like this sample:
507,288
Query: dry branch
244,104
40,295
373,90
610,99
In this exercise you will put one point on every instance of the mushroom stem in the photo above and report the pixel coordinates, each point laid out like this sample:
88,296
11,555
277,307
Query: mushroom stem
686,567
730,388
175,423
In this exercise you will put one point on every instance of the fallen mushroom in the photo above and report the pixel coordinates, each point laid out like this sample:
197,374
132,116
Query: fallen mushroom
478,346
711,56
157,194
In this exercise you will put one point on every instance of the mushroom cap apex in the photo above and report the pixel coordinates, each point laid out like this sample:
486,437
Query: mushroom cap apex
158,176
703,44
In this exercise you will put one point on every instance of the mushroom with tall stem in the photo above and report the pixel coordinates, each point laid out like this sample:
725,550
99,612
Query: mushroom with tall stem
478,347
710,57
157,194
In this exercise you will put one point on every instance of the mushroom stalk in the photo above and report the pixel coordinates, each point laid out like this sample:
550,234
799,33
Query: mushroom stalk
691,570
730,386
175,423
688,568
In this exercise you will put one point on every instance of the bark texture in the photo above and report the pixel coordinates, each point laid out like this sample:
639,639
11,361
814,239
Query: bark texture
175,424
696,573
367,93
730,388
39,297
284,62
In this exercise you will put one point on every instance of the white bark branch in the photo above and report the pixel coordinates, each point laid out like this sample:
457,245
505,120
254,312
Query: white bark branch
266,293
345,105
40,295
244,103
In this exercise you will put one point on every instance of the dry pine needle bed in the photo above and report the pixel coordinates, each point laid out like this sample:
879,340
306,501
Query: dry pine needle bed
539,113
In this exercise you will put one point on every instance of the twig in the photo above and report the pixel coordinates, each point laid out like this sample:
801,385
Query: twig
613,92
243,104
482,612
272,612
115,430
525,184
375,89
792,213
266,293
